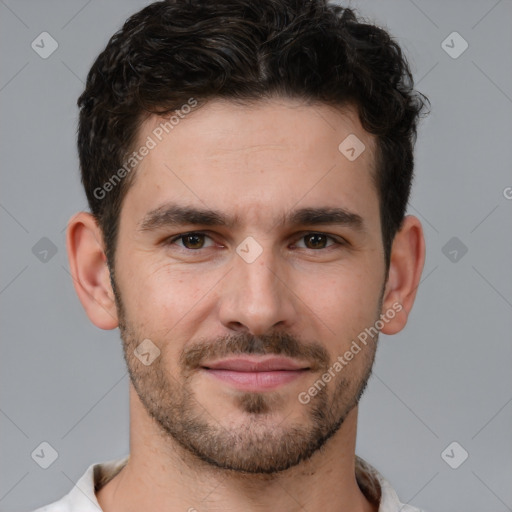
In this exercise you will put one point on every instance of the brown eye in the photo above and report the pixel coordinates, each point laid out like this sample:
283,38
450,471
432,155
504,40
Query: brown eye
316,241
192,241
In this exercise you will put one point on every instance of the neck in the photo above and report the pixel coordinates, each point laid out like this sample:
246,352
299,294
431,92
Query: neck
161,476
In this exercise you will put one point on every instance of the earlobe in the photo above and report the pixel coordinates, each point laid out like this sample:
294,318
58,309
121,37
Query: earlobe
89,270
406,266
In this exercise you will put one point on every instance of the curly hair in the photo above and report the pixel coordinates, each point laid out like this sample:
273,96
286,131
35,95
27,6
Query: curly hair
246,50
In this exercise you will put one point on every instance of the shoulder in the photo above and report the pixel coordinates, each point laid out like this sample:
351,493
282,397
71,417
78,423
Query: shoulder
378,490
82,497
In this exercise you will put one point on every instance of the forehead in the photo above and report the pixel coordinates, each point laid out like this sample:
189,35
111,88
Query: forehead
221,125
258,159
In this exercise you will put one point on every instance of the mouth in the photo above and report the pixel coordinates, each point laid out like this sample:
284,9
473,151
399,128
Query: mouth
250,373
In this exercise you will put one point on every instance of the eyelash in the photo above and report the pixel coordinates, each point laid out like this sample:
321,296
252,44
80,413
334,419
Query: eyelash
172,240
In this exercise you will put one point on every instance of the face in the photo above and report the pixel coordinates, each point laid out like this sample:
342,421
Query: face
249,257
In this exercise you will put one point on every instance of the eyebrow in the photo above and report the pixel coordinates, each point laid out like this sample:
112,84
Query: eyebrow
172,215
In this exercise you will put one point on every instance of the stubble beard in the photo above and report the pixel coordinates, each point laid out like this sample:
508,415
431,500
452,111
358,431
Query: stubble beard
257,444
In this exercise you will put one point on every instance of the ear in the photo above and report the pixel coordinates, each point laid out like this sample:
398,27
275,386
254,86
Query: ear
91,276
406,266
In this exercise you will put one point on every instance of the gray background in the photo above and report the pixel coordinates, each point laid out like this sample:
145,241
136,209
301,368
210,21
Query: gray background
447,377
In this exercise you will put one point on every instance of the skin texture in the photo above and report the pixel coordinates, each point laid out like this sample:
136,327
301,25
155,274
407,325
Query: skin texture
196,441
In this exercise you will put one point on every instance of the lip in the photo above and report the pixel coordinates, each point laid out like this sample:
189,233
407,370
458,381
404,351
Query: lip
256,374
256,364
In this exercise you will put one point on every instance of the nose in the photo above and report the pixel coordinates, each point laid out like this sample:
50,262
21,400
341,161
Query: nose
257,297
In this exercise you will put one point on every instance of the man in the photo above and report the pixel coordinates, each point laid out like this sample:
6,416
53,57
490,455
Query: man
248,167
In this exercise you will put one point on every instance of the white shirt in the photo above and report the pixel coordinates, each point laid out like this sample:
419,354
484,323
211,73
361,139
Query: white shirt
82,498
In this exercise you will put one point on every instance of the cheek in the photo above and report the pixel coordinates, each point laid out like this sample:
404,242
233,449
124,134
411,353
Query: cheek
151,286
346,305
162,301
